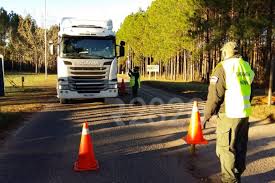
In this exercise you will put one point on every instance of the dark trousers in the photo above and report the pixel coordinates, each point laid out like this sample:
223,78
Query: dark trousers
231,147
135,91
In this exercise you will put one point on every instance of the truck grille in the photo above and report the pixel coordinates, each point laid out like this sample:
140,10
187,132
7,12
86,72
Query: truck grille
88,79
88,68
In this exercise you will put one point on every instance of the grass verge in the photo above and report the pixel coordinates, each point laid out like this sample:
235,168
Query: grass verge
261,110
19,101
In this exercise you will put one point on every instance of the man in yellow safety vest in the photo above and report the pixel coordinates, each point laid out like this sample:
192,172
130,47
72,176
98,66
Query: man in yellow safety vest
229,97
134,81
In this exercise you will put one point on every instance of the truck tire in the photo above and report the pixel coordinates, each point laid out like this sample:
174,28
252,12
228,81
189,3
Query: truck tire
102,100
64,101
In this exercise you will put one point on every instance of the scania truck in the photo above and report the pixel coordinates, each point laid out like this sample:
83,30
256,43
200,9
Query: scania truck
87,59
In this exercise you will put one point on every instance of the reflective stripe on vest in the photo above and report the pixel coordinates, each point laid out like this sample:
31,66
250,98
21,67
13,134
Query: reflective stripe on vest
238,76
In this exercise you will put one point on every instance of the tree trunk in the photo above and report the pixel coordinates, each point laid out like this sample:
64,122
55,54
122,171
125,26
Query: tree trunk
175,67
160,69
270,83
12,65
171,69
185,65
36,67
270,54
178,65
166,70
270,64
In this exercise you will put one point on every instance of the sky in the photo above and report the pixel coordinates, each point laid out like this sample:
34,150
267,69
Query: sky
115,10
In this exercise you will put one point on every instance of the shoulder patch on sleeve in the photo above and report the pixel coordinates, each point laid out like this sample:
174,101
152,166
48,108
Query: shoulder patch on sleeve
213,79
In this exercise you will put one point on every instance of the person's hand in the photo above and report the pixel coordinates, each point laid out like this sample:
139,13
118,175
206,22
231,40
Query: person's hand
204,124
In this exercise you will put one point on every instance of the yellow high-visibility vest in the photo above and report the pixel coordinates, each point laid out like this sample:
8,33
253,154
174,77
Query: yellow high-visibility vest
132,81
238,78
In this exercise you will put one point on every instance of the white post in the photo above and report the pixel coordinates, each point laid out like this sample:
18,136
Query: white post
45,38
2,94
269,101
2,57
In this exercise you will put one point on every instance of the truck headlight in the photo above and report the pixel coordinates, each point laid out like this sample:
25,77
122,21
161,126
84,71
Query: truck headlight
114,86
63,87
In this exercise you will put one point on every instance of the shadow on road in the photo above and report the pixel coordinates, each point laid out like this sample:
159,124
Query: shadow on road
133,143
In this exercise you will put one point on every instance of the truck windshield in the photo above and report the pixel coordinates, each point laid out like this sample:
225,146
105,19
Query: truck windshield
88,47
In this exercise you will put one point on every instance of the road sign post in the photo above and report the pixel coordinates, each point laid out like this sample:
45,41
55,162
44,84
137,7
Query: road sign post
152,68
2,88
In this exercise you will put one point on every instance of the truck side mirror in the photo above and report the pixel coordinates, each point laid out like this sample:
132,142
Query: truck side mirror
122,49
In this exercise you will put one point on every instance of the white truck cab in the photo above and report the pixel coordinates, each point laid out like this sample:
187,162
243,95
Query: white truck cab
87,59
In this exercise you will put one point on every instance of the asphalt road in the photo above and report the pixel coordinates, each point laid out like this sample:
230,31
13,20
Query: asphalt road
133,144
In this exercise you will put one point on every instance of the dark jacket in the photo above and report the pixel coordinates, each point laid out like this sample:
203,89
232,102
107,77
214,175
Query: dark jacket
216,91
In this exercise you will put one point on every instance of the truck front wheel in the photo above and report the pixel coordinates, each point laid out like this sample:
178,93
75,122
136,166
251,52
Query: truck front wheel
64,101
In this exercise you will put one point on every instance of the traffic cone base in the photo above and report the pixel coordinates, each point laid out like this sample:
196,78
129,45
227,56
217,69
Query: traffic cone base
94,166
195,135
188,140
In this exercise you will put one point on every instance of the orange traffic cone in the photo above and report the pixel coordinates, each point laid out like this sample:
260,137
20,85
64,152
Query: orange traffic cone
122,87
86,157
195,135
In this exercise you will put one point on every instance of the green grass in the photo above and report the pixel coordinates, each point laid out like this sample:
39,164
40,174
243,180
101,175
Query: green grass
19,101
30,80
261,110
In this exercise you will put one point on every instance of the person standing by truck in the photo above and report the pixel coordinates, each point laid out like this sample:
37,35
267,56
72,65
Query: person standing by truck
134,81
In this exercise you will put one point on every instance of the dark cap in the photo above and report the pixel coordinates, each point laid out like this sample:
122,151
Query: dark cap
136,68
